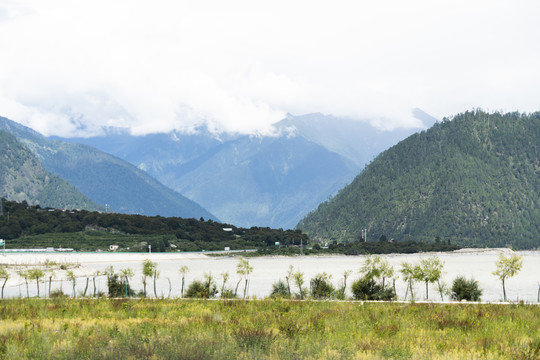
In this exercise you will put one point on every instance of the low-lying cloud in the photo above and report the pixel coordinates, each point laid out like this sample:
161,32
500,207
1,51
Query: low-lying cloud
70,68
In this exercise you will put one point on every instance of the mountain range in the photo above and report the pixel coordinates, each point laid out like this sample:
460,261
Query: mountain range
103,178
258,180
473,180
23,178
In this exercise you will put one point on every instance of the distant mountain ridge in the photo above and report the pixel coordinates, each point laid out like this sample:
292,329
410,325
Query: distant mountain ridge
104,178
256,180
474,180
23,178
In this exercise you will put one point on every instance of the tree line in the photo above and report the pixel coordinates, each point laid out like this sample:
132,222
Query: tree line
377,281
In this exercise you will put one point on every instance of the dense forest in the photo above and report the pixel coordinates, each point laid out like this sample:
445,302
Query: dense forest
473,179
28,226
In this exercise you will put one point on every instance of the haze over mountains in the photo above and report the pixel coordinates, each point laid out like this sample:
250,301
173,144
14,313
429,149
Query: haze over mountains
104,178
23,178
258,180
474,180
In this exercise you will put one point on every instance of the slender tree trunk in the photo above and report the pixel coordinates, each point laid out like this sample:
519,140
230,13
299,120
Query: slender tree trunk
245,288
144,286
504,290
86,287
94,282
37,285
50,281
394,286
427,294
27,292
406,291
155,276
236,288
170,288
3,286
288,286
182,288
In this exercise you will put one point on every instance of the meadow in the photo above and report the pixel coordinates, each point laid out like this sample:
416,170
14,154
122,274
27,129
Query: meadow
104,328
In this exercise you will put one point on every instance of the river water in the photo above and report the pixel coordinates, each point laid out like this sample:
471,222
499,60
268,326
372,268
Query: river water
477,264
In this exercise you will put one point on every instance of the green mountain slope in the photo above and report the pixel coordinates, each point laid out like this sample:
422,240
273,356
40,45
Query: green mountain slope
22,177
104,178
474,180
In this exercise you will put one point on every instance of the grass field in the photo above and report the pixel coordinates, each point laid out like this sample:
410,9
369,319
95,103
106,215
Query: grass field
273,329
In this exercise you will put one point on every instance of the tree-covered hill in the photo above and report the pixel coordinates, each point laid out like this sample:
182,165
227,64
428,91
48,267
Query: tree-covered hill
473,179
23,178
104,178
26,226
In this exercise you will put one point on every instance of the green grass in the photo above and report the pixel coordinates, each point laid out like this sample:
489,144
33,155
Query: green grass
267,329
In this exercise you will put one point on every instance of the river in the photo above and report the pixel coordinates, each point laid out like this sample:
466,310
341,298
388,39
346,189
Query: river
477,264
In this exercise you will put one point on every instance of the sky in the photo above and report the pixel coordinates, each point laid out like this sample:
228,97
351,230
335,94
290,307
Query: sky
71,68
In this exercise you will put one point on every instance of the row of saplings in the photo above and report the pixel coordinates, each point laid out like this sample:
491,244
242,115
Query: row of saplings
377,281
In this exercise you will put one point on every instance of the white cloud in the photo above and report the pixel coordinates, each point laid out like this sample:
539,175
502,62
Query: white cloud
70,68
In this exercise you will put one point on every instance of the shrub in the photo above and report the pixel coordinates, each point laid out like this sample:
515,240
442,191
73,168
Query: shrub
320,286
463,289
201,290
58,294
279,290
366,288
117,287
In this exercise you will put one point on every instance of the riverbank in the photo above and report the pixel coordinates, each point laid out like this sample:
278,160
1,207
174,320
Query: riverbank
267,329
471,263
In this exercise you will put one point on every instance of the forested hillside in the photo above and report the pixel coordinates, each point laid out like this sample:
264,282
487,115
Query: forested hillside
473,179
23,178
104,178
26,226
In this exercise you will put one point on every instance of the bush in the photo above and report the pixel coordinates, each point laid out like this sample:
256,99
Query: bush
201,290
117,287
279,290
321,288
366,288
463,289
58,294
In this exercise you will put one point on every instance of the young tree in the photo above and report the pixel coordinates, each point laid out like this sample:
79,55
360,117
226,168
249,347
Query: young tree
148,271
408,273
376,267
24,274
244,269
51,276
429,271
4,274
183,271
96,274
288,279
299,280
36,274
506,268
71,276
156,275
343,288
126,275
225,276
